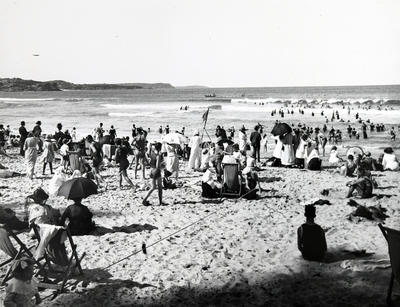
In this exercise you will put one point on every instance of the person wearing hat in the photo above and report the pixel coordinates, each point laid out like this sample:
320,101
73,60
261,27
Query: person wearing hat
39,212
389,160
311,240
242,138
48,154
37,132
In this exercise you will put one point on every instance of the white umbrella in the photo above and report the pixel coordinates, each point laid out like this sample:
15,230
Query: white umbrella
175,138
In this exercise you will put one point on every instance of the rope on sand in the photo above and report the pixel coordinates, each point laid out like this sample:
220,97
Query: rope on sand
174,233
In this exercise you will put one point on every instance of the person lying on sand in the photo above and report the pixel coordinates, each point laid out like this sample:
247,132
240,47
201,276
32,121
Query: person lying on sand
363,186
311,240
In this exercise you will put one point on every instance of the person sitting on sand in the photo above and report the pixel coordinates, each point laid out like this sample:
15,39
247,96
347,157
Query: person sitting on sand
389,160
348,168
80,218
8,218
301,151
334,158
363,186
23,286
211,188
311,240
156,160
39,212
313,161
371,163
251,181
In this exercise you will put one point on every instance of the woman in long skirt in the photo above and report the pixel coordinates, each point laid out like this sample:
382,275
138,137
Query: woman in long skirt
48,154
31,148
172,162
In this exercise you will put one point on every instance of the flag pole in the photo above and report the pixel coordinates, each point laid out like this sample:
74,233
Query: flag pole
205,118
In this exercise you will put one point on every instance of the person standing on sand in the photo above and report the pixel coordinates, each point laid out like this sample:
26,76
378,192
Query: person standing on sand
113,134
121,158
37,132
97,156
311,240
195,151
48,154
31,148
242,138
24,134
255,139
156,160
172,161
139,144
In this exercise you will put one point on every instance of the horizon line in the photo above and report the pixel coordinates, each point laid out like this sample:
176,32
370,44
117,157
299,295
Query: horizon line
207,86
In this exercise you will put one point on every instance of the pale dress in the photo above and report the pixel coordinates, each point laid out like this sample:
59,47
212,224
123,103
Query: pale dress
30,148
172,161
287,157
390,162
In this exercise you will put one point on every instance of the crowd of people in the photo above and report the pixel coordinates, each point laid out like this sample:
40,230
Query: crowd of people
160,161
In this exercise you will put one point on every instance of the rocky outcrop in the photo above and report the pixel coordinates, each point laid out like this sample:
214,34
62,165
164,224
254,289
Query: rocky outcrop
21,85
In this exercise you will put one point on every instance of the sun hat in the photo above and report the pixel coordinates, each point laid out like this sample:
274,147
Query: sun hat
39,195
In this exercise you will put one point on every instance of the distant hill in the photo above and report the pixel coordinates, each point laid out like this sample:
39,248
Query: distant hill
21,85
192,87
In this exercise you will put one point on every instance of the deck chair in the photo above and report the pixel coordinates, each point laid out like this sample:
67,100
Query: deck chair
393,239
232,183
6,234
70,265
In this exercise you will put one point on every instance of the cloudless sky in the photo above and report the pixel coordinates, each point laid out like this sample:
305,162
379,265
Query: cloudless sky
205,42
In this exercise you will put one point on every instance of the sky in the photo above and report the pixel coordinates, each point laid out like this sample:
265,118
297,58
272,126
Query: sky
214,43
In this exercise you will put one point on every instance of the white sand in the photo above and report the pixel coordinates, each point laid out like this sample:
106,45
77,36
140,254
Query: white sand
245,254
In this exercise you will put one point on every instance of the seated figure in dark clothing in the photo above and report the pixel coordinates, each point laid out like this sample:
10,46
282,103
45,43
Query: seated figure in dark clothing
8,217
363,186
80,219
311,237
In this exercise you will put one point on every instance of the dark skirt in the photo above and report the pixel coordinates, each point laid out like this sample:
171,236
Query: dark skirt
314,164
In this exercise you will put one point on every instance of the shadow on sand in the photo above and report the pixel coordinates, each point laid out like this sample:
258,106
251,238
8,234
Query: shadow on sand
311,284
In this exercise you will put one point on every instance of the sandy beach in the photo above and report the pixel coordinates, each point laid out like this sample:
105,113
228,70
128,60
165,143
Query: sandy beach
244,253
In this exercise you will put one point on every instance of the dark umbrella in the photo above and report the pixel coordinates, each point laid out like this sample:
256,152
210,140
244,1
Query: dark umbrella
281,129
221,142
77,188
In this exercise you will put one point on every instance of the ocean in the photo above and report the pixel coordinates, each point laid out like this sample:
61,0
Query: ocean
230,107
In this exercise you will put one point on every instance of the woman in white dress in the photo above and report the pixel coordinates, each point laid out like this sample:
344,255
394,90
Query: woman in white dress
287,158
31,148
389,161
242,138
195,151
172,161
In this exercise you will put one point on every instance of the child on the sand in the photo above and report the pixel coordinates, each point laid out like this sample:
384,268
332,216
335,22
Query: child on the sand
156,160
311,237
334,156
23,286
